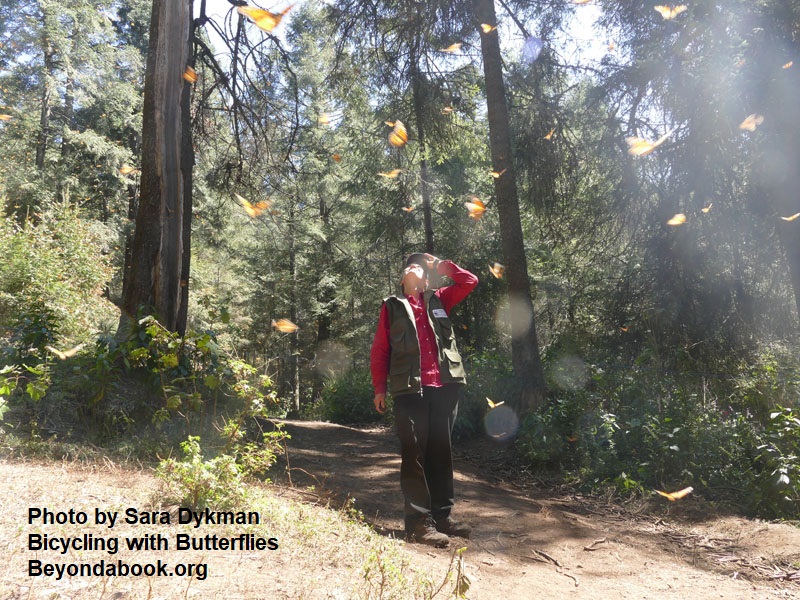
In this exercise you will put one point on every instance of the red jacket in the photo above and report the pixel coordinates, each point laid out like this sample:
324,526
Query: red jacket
463,283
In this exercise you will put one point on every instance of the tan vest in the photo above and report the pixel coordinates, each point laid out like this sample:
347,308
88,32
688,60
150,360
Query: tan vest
404,366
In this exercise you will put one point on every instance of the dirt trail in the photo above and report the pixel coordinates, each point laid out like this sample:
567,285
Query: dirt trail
528,543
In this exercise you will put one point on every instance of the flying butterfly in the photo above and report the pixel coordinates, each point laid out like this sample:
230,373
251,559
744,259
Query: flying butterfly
251,209
581,1
190,75
672,496
497,270
451,48
678,219
127,170
398,136
66,353
263,19
447,110
670,12
408,209
475,207
5,117
488,28
705,209
324,119
494,404
391,174
788,64
497,174
642,147
336,157
792,218
550,133
284,325
751,122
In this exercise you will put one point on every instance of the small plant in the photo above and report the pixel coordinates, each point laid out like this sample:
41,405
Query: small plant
197,483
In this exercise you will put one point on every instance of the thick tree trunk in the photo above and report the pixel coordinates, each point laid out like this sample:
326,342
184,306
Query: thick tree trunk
44,115
158,278
525,357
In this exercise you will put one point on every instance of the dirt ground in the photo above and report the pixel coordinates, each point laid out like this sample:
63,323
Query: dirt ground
528,541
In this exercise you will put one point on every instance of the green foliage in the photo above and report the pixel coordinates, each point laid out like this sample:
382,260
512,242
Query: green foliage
197,483
347,398
779,478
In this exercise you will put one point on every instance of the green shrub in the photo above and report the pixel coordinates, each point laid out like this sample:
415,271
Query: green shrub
347,398
196,483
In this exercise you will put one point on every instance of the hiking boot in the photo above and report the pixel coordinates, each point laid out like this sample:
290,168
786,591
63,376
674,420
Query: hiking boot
424,532
450,527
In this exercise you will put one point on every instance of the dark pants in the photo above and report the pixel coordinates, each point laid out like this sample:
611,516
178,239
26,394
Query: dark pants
424,424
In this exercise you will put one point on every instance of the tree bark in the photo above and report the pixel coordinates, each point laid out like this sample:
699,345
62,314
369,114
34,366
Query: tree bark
158,282
525,357
419,116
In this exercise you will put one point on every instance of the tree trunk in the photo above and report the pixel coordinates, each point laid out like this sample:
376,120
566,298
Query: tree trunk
525,357
419,116
44,115
158,282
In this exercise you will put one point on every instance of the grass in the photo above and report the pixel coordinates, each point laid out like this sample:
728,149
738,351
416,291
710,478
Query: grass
324,552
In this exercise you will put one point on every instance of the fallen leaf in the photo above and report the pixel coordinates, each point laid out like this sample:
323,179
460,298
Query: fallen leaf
284,326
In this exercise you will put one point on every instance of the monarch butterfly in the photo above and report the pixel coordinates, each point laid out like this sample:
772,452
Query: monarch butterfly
497,174
127,170
5,117
190,74
672,496
751,122
670,12
550,134
792,218
408,209
66,353
705,209
494,404
284,326
451,48
263,19
476,208
253,209
336,157
398,136
678,219
497,270
641,147
788,64
488,28
391,174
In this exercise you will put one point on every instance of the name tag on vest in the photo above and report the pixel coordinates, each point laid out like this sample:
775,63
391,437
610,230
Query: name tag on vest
439,313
